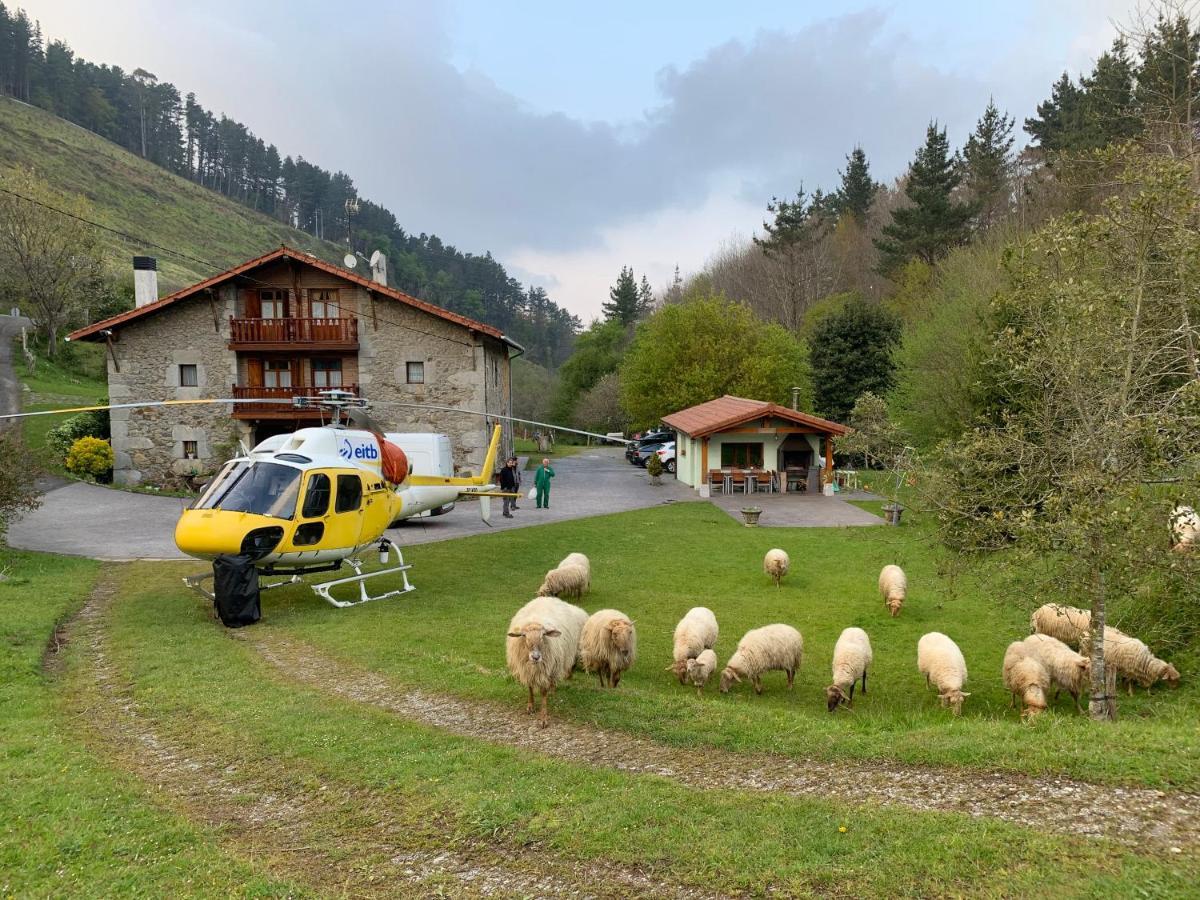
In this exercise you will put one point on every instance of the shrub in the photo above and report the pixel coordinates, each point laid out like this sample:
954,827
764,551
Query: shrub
90,457
18,471
654,466
61,438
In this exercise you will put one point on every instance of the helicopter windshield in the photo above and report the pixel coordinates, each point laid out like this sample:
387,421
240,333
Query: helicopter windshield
262,488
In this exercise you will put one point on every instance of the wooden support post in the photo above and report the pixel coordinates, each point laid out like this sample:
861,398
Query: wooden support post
108,341
829,459
704,460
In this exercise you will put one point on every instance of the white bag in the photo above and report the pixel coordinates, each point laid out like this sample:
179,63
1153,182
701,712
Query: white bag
533,493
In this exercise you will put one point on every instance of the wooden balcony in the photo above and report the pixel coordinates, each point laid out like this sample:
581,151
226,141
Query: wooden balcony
292,334
277,410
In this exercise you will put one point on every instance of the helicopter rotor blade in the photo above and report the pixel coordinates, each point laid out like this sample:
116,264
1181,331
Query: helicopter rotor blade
144,404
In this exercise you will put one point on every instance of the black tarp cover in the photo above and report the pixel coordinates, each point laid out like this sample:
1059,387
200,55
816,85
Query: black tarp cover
235,586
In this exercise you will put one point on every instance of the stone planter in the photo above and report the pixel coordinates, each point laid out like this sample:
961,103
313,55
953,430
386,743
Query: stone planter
750,515
892,513
828,490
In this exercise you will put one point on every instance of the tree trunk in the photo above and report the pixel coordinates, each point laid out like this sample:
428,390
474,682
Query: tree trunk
1102,705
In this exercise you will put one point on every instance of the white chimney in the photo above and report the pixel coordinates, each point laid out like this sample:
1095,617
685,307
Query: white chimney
379,268
145,280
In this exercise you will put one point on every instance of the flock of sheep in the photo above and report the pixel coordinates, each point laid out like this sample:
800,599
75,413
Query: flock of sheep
549,638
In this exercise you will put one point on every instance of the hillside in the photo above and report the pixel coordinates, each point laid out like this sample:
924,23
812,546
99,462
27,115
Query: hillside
139,198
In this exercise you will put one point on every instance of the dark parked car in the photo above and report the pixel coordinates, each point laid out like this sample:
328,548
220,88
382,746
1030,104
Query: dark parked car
644,453
632,450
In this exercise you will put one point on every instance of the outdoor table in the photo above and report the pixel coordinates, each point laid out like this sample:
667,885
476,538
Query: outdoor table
726,482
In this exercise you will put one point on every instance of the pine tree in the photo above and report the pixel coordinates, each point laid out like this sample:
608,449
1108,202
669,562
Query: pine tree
796,222
934,222
1059,120
858,190
988,165
645,297
624,303
1110,113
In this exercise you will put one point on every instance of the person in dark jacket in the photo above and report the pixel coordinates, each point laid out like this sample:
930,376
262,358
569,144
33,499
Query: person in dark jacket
509,484
516,466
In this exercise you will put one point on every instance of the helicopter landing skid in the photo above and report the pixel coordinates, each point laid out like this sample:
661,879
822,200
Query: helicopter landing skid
196,583
360,578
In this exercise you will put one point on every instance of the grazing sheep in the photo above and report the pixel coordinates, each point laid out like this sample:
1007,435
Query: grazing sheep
893,586
565,581
1069,671
942,664
700,669
1067,623
608,645
696,632
542,646
1128,658
776,564
851,658
766,649
578,559
1027,677
1185,528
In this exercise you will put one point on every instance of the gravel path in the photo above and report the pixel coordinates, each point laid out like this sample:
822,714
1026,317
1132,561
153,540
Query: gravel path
1140,817
286,821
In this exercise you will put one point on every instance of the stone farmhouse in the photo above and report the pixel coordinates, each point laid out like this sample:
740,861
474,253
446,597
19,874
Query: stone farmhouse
283,325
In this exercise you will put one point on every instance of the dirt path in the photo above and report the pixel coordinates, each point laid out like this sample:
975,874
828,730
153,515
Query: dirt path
1140,817
336,839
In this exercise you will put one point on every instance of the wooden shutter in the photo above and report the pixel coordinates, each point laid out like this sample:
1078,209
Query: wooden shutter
252,305
254,372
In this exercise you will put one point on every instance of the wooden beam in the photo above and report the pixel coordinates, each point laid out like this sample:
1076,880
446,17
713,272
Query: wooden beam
829,458
798,429
704,460
108,341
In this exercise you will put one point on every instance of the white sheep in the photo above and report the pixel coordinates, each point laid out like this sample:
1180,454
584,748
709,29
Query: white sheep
696,632
608,645
1128,658
1185,528
943,665
766,649
700,669
893,587
851,658
565,581
776,564
578,559
1027,677
1069,671
1067,623
542,646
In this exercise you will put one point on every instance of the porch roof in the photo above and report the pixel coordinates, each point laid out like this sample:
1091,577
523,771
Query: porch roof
723,413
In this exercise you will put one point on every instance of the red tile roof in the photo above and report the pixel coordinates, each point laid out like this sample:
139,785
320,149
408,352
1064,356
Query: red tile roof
727,412
284,252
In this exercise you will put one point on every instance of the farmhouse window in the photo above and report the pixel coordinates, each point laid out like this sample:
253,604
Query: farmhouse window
191,449
188,376
742,456
323,303
277,373
273,304
327,373
415,372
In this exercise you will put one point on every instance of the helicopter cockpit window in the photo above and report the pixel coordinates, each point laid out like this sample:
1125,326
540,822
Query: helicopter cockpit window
349,494
220,484
264,489
316,499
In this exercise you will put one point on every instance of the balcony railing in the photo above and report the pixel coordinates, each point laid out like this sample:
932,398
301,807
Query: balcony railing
277,410
281,333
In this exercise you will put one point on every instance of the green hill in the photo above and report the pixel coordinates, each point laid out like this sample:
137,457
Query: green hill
142,199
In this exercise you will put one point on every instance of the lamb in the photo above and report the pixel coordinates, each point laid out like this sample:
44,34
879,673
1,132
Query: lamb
893,586
608,645
1027,677
1069,671
1067,623
542,645
700,669
565,581
776,564
942,664
1185,528
766,649
851,658
696,632
1128,658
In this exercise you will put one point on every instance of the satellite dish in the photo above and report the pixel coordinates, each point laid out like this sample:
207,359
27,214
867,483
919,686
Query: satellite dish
350,261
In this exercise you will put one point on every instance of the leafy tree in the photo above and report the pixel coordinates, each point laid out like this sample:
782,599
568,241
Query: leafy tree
795,245
626,302
598,351
49,263
933,222
18,474
851,353
857,191
705,347
533,389
988,166
599,409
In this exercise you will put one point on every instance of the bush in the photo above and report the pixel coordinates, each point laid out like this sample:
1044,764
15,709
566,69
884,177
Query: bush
18,471
654,466
61,438
90,457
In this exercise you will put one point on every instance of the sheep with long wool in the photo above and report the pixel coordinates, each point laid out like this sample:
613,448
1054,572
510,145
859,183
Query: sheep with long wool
893,587
770,648
1069,671
851,658
696,632
566,581
776,564
542,645
608,645
1027,678
1067,623
943,665
1127,658
1185,528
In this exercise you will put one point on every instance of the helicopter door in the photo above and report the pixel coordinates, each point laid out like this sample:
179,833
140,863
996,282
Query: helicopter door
344,522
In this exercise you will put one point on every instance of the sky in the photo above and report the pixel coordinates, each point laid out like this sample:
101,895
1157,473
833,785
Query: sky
572,139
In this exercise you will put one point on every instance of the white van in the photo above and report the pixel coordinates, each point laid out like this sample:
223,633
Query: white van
428,454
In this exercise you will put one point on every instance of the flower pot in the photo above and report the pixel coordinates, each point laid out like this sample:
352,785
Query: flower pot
892,513
750,515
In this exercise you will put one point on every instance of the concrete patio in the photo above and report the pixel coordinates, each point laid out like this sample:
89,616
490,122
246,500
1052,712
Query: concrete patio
799,510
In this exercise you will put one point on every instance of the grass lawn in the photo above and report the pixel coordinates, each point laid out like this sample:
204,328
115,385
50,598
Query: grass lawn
69,826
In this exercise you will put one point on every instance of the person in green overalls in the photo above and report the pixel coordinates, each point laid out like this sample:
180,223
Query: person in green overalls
541,481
